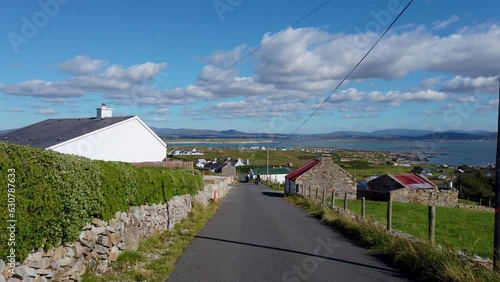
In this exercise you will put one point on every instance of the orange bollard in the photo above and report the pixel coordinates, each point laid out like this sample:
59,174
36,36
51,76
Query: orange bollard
215,196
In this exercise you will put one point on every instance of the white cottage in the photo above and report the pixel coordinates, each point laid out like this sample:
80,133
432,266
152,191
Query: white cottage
104,137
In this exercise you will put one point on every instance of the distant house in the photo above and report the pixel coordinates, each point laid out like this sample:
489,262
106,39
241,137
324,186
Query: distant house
408,188
321,173
103,137
177,152
228,169
274,174
239,162
200,163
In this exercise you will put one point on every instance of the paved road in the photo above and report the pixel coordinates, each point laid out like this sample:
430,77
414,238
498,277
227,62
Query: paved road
257,236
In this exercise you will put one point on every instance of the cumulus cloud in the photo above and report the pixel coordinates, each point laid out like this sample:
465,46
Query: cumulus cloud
112,79
46,112
358,116
445,23
466,99
314,55
394,98
40,88
15,110
481,84
82,65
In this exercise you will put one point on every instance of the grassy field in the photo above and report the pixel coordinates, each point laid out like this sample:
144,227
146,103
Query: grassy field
421,260
467,230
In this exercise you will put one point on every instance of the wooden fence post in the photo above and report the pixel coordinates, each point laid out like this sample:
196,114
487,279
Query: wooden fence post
432,223
309,192
363,207
316,197
323,201
389,215
467,200
345,201
479,201
333,198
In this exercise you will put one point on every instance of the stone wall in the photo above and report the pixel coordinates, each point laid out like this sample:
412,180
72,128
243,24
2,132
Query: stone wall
433,197
100,242
328,175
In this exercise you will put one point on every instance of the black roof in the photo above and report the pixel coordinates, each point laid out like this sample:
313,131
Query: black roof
50,132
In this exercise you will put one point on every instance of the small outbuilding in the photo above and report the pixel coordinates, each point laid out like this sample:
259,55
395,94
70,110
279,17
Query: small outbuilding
321,173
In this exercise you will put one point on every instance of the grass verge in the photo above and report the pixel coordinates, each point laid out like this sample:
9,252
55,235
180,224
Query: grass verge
419,259
157,255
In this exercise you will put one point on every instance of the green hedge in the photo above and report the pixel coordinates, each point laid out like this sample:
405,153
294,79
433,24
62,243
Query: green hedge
57,194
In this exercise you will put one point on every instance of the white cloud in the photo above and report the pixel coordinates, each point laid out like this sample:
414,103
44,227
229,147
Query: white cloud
358,116
16,110
445,23
82,65
466,99
347,95
394,98
481,84
40,88
46,112
313,55
224,59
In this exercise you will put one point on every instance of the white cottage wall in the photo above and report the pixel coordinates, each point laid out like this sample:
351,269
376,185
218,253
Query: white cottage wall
129,141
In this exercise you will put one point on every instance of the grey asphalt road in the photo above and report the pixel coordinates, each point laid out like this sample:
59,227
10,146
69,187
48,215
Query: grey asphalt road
257,236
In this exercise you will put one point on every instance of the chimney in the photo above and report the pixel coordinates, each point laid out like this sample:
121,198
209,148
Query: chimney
104,112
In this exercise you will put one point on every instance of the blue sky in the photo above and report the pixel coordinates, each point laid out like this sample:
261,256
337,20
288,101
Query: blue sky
437,68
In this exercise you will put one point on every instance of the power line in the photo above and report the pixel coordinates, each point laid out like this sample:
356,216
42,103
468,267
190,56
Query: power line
347,76
256,49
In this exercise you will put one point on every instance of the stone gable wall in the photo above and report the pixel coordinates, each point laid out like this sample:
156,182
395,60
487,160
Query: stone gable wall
328,175
384,183
100,242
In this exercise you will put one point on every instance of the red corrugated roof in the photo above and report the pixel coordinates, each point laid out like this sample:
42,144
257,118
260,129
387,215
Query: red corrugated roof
413,180
301,170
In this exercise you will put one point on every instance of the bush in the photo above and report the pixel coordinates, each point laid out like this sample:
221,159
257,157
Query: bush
57,194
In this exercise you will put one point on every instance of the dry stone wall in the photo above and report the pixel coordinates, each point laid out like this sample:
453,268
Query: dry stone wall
100,242
432,197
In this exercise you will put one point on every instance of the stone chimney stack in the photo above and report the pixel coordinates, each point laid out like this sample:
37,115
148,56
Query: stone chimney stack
104,112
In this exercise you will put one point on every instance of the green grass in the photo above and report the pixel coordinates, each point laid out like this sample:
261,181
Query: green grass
156,257
421,260
467,230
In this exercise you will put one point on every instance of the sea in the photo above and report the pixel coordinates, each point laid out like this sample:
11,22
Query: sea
472,153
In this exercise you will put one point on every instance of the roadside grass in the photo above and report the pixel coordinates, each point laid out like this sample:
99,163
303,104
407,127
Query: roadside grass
468,230
418,258
156,256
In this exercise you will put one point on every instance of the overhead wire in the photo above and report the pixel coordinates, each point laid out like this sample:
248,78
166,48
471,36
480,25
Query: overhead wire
348,74
256,49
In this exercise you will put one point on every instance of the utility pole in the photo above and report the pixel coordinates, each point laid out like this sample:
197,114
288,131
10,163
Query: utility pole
496,240
267,171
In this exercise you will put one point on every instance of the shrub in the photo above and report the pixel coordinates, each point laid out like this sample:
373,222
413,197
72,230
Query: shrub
57,194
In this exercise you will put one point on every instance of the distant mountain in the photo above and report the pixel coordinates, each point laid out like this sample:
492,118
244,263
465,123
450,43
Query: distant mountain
457,136
387,134
401,132
183,133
